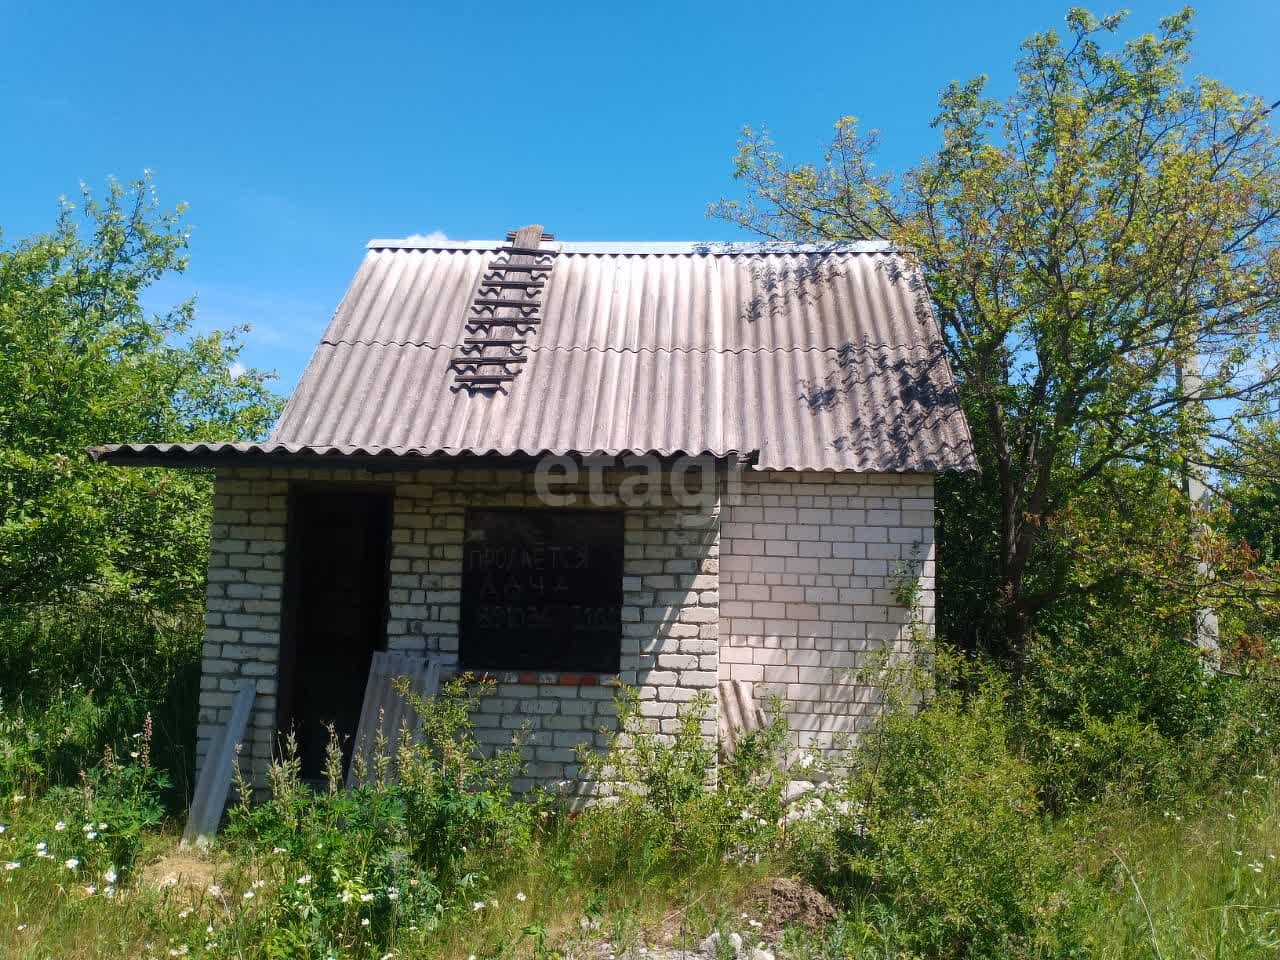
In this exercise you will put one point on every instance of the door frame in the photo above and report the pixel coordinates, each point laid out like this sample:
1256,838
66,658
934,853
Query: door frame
291,593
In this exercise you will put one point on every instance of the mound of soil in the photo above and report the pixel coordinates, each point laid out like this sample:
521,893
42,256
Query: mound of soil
782,902
188,875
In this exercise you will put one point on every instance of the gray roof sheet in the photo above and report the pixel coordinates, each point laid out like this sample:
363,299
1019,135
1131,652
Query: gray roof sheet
813,357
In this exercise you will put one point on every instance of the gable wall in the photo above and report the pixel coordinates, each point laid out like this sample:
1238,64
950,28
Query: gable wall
809,563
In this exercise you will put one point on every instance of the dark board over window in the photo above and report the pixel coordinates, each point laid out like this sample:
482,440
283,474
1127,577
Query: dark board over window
542,590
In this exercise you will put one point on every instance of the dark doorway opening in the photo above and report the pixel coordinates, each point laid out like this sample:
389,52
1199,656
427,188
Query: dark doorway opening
336,591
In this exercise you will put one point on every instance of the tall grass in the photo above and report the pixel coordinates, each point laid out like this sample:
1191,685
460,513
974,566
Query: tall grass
953,833
74,681
1195,883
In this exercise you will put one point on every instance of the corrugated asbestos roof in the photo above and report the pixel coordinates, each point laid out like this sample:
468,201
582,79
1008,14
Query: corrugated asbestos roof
810,357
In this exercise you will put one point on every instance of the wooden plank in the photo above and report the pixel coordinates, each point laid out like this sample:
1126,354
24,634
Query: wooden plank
491,303
505,265
512,343
384,706
513,284
519,250
473,360
215,779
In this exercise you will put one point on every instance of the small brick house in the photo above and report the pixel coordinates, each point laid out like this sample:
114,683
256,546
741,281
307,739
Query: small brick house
566,464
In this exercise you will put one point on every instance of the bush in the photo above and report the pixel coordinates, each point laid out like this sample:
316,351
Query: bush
357,865
934,835
1103,665
1128,709
663,817
460,810
334,858
1120,757
93,832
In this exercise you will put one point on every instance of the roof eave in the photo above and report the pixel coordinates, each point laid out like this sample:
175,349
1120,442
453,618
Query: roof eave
278,455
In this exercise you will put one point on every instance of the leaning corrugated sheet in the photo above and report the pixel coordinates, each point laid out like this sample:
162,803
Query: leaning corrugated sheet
813,358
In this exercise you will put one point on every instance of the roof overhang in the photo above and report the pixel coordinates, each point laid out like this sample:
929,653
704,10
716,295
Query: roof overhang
196,455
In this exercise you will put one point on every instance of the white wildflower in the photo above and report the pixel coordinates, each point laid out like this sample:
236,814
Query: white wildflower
13,865
366,897
59,826
477,906
521,897
92,834
248,895
364,922
213,890
90,890
71,863
303,880
184,913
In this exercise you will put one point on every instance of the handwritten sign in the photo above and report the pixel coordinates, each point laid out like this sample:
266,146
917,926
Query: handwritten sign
542,590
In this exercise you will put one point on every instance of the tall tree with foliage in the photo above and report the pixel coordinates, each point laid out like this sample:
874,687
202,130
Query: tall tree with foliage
83,362
1084,241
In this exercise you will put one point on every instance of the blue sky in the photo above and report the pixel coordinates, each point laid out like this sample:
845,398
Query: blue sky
297,132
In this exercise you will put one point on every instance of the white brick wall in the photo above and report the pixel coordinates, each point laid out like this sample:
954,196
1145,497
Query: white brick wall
670,629
242,622
786,580
670,646
809,563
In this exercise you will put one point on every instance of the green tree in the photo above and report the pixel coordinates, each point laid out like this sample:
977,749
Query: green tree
1084,241
83,362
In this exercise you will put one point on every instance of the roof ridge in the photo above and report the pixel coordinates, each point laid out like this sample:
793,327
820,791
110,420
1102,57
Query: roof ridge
726,248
